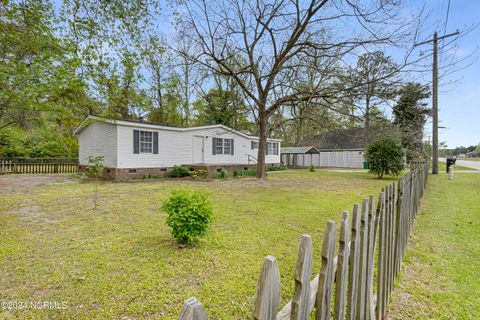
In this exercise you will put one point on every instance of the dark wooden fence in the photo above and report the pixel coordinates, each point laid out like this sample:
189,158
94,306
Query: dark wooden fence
355,283
37,165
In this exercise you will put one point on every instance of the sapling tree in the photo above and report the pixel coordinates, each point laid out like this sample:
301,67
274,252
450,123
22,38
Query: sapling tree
95,171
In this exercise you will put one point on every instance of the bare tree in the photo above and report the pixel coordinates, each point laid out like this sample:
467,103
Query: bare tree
267,47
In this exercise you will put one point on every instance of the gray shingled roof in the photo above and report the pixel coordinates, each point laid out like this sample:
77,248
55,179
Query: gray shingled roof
299,150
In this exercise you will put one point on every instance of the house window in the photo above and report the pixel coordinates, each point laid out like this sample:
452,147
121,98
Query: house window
146,142
218,145
222,146
254,145
275,148
272,148
227,146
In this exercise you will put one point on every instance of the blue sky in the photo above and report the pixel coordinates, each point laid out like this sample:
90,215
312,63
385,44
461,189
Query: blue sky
459,103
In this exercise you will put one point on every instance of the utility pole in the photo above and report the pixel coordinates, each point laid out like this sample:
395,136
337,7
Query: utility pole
435,97
435,105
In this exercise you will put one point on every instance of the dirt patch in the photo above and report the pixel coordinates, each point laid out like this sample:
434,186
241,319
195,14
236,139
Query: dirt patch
22,183
31,215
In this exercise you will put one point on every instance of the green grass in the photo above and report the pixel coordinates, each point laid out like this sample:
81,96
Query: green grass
440,278
442,167
120,261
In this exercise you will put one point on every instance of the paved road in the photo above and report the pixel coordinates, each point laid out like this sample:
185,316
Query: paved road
465,163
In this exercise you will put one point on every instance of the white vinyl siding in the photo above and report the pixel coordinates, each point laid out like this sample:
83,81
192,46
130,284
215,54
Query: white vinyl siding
98,139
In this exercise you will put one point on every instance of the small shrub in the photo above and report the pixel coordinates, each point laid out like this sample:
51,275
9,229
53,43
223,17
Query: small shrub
189,215
248,173
82,176
385,156
276,168
178,172
235,173
312,168
221,175
199,174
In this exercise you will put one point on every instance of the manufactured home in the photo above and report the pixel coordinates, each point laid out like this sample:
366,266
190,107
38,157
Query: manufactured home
134,149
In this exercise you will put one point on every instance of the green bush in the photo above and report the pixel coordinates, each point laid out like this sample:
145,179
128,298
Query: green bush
385,156
245,173
276,168
189,215
221,175
312,168
199,174
178,172
248,173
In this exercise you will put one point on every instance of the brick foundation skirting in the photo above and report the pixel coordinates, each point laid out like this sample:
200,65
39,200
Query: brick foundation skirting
139,173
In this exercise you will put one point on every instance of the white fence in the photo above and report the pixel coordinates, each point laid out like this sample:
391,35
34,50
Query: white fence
331,159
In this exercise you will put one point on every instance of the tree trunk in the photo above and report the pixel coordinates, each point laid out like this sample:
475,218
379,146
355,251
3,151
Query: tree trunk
262,144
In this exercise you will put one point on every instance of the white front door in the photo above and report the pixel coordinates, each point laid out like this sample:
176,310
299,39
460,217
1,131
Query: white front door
198,149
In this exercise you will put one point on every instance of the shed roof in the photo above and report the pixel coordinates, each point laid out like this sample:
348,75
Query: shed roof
299,150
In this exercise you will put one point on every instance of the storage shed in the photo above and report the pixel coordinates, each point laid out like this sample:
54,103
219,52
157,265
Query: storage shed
303,157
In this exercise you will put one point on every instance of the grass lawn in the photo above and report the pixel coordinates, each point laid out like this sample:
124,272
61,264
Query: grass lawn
440,278
442,167
120,261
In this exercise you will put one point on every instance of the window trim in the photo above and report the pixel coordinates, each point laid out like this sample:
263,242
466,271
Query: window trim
220,146
145,142
272,148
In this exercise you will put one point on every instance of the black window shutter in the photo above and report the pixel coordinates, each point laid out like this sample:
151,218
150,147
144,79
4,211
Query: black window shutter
214,145
251,145
232,144
155,142
136,144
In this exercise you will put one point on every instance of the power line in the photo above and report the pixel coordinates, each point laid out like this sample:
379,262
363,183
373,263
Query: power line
445,29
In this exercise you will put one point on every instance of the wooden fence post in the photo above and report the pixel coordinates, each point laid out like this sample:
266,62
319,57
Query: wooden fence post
399,228
353,263
192,310
267,297
342,265
369,306
362,273
326,276
380,311
303,273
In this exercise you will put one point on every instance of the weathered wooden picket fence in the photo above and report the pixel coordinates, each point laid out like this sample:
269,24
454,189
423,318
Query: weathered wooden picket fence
38,165
358,281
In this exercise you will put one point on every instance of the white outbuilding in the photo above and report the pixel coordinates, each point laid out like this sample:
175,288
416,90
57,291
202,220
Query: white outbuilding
136,149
